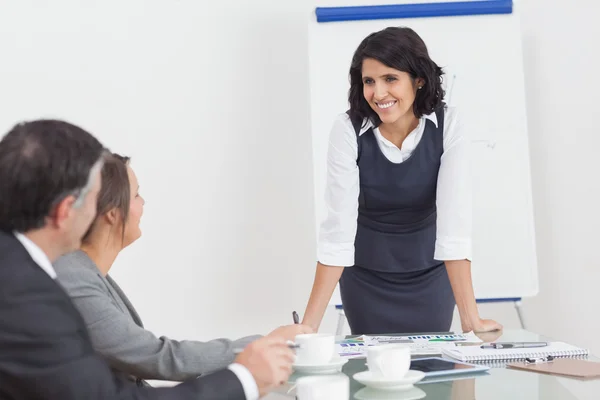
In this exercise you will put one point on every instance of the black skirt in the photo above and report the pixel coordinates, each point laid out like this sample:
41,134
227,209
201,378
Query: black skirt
383,302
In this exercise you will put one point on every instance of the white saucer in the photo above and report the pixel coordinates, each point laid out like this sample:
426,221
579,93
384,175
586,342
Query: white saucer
381,383
333,366
367,393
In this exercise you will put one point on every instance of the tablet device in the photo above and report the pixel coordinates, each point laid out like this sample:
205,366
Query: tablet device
437,366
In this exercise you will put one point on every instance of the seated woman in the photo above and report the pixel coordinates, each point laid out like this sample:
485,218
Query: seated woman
116,330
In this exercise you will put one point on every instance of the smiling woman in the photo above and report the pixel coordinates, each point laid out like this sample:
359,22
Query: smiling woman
398,197
391,94
392,62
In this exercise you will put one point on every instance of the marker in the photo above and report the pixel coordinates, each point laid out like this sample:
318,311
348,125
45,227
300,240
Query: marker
291,345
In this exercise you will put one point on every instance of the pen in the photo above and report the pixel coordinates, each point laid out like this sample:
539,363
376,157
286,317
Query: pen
296,318
291,345
513,345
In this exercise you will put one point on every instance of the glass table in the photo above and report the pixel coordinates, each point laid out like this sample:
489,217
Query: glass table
497,384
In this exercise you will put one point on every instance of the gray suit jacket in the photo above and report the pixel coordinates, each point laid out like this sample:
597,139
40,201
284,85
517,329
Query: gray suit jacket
117,332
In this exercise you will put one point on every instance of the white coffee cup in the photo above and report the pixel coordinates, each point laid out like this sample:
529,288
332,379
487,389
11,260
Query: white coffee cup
389,360
323,387
314,348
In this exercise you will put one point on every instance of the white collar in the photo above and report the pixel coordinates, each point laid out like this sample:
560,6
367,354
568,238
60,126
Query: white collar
37,254
431,117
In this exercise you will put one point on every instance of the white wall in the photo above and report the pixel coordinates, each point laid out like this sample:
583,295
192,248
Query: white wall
210,100
243,249
228,246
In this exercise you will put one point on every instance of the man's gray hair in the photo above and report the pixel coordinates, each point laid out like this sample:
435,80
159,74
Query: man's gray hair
81,193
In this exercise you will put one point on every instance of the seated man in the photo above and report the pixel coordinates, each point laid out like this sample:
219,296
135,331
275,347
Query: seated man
49,182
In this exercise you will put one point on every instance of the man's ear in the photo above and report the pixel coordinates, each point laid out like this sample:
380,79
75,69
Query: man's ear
62,211
112,217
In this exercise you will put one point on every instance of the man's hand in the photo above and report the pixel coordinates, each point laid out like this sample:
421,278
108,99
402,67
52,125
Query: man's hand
289,332
269,360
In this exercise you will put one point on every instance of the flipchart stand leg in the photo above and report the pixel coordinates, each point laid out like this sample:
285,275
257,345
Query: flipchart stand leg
515,300
519,308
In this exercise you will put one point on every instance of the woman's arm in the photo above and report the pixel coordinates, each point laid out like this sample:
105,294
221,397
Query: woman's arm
326,278
454,222
338,229
459,272
132,349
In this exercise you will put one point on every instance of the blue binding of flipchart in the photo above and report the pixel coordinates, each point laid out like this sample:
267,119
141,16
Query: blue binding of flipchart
419,10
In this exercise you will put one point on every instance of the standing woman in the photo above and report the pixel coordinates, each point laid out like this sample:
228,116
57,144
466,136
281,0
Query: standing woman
397,235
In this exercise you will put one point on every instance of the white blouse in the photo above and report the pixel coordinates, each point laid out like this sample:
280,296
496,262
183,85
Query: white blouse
454,214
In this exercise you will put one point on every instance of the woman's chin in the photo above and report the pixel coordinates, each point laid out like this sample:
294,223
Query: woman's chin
388,117
129,241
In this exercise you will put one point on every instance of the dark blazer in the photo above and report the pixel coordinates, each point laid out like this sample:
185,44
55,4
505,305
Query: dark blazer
45,349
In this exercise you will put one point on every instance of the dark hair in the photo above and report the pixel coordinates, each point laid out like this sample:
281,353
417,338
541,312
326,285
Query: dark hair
41,163
115,191
402,49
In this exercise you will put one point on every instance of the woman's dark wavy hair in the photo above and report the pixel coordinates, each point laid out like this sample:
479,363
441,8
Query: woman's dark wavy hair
402,49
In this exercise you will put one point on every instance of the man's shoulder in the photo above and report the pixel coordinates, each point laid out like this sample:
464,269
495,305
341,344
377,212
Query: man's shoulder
16,266
33,301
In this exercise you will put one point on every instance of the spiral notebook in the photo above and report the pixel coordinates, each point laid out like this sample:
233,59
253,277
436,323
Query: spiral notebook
477,354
